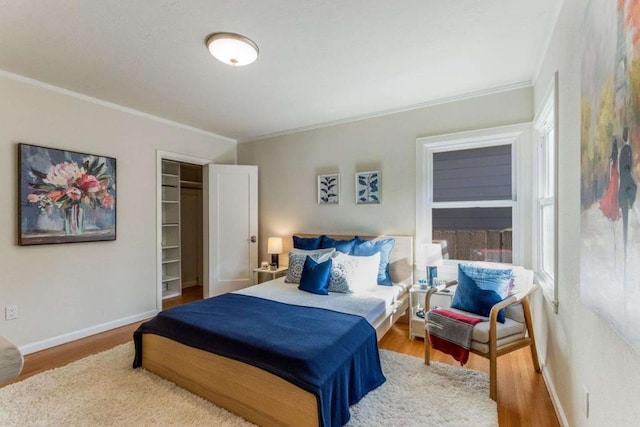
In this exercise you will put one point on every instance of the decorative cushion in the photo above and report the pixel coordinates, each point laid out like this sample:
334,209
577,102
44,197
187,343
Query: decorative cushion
521,278
479,288
344,246
370,247
297,257
307,243
315,276
354,274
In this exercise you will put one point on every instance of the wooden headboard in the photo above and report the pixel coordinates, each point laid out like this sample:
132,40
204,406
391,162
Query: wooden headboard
400,258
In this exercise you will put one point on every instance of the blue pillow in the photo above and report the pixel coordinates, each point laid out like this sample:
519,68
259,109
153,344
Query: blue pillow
315,276
307,243
344,246
368,248
479,288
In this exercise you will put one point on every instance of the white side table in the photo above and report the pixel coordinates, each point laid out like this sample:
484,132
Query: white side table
274,273
417,296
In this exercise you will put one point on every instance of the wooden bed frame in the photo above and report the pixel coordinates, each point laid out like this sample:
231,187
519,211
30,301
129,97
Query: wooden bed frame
256,395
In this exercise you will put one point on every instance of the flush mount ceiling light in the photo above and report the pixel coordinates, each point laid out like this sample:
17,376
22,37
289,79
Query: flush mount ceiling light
232,49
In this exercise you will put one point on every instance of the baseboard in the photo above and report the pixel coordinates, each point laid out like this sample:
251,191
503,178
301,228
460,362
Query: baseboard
190,284
562,418
76,335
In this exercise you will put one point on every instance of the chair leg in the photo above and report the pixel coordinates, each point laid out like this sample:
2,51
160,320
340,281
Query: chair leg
427,348
529,323
493,377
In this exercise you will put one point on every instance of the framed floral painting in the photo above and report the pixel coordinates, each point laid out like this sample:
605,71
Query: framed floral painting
368,187
65,196
329,189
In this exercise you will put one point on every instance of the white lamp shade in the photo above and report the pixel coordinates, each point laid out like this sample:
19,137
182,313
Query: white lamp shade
432,253
232,49
274,245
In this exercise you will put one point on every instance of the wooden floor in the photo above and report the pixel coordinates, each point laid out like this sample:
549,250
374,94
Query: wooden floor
523,399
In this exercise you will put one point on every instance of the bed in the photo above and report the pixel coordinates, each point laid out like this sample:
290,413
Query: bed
262,391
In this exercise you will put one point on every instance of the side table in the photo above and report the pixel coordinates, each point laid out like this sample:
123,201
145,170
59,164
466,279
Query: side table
417,295
274,273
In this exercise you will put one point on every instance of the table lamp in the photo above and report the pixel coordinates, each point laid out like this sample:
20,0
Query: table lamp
274,248
433,257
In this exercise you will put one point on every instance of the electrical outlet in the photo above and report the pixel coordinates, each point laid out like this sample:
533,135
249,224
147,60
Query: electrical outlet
11,312
585,400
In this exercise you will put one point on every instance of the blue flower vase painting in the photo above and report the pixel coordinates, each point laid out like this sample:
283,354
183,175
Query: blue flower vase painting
65,196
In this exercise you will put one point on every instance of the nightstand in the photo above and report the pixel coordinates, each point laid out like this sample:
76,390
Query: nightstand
416,296
274,273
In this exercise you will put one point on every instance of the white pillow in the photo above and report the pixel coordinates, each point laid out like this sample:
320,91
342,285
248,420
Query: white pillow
297,258
354,274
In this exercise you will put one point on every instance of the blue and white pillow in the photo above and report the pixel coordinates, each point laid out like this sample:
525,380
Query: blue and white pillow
370,247
297,257
480,288
354,274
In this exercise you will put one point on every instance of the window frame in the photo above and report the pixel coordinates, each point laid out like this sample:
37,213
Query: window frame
546,120
515,135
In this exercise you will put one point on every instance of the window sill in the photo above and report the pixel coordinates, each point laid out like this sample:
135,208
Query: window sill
548,291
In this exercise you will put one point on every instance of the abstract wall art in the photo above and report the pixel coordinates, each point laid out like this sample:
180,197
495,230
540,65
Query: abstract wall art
610,166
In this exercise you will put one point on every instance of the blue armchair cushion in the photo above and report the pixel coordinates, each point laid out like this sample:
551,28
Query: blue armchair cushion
369,247
479,288
315,276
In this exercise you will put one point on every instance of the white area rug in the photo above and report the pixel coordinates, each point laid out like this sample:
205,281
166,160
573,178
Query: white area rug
103,389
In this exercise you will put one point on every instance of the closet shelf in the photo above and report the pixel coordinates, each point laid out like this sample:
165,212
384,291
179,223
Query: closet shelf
171,224
170,294
190,184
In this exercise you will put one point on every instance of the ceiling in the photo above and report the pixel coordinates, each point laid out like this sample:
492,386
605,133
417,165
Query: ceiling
320,61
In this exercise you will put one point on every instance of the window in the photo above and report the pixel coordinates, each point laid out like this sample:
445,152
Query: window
467,194
545,201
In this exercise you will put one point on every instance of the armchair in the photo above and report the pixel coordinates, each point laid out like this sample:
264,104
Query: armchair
490,338
11,361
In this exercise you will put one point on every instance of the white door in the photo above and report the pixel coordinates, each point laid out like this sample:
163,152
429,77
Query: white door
233,227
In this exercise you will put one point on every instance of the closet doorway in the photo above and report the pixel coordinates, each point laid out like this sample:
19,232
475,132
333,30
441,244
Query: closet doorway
226,220
180,213
191,231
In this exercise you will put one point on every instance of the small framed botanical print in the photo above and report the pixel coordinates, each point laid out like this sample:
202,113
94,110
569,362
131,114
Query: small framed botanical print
329,189
368,186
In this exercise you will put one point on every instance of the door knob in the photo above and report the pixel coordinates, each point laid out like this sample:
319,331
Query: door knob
254,239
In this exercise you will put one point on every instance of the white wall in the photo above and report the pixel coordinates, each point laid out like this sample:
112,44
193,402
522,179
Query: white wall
289,165
66,291
578,347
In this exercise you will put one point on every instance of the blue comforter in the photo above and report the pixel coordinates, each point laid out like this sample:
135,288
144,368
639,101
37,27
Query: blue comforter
330,354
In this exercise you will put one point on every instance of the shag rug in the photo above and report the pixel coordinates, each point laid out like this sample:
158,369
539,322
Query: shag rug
103,389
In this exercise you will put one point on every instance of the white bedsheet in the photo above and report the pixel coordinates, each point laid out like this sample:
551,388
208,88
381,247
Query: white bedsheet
370,305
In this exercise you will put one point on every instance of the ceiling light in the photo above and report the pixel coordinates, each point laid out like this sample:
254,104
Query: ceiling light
232,49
